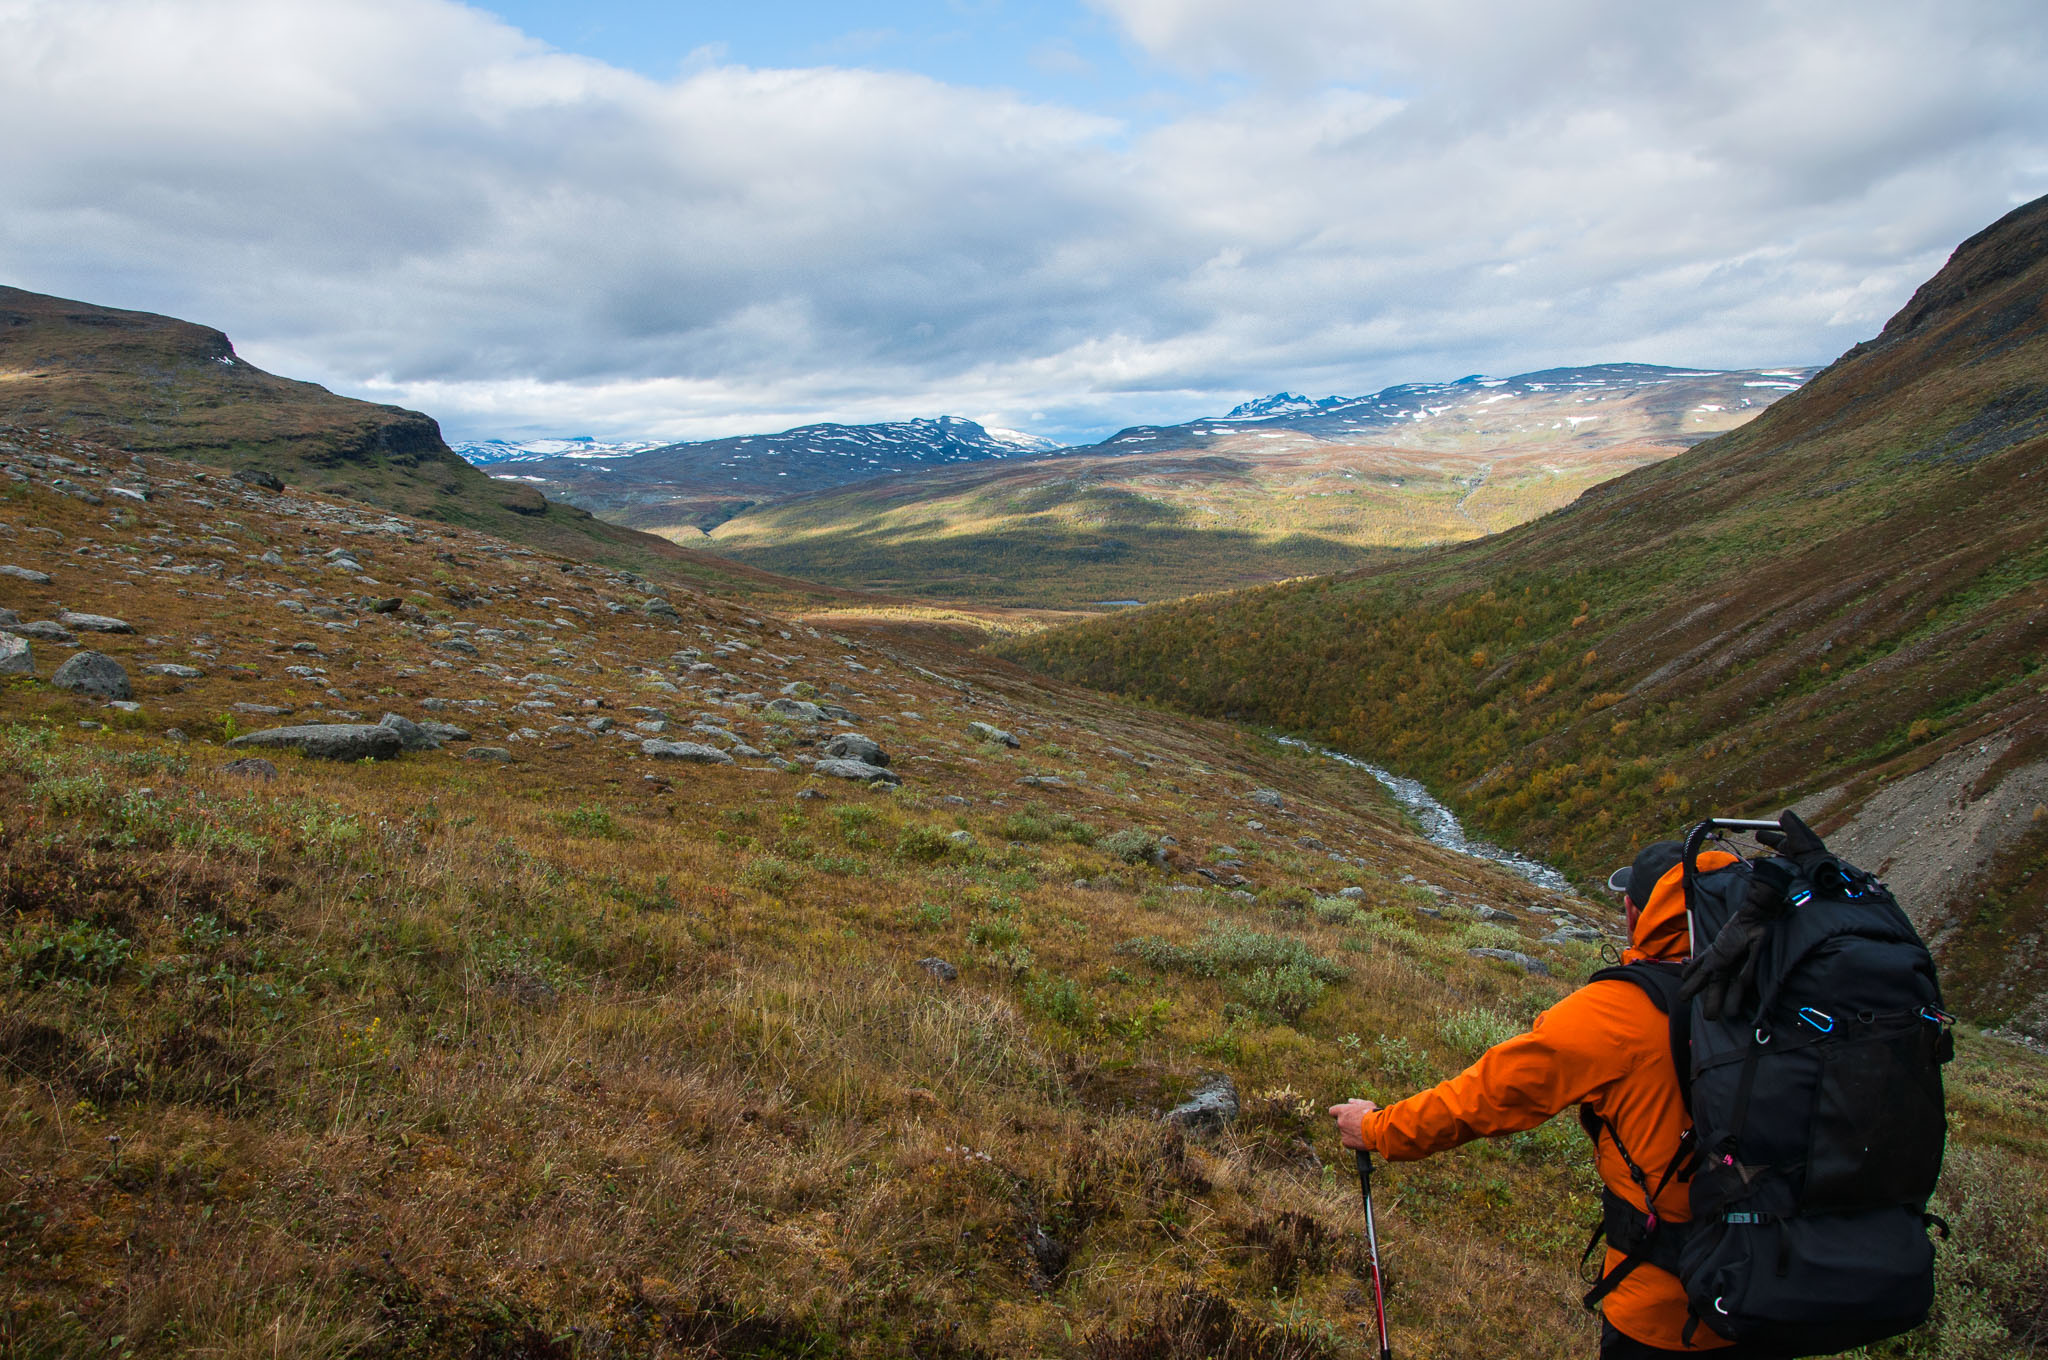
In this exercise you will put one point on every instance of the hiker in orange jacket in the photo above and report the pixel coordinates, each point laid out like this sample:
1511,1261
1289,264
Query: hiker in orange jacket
1607,1049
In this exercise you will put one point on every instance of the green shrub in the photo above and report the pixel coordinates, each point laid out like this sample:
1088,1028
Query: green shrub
1475,1029
993,932
1037,825
75,951
769,874
1337,911
1132,845
1283,993
1057,998
1276,975
591,820
922,843
72,795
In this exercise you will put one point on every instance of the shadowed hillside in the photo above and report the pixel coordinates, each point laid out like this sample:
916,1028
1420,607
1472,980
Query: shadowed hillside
154,384
1841,604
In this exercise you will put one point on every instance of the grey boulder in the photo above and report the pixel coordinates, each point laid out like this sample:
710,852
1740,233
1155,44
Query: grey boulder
28,574
1213,1105
1520,960
1268,798
856,769
411,735
795,709
940,969
259,477
988,732
15,656
42,630
94,623
692,751
174,670
444,731
495,755
328,741
854,746
94,674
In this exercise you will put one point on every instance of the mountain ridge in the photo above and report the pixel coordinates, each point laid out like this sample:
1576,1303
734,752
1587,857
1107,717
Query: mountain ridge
149,383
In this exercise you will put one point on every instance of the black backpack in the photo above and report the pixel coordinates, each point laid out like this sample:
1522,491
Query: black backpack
1817,1113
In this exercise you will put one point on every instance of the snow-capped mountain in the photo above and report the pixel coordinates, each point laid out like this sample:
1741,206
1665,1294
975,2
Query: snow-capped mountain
714,478
1282,404
490,452
1673,404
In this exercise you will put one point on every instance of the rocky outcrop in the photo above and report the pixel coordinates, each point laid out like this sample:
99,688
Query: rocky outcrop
328,741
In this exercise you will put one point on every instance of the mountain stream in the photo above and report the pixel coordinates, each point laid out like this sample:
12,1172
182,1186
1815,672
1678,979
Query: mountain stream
1440,824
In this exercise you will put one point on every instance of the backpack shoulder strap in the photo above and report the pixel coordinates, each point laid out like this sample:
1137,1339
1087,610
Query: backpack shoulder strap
1659,981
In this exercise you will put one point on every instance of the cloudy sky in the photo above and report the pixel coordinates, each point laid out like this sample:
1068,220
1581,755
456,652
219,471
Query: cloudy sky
675,219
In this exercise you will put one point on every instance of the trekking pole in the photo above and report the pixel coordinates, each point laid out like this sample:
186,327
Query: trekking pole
1372,1242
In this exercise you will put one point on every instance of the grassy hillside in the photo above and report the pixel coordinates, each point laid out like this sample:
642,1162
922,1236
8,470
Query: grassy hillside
1842,596
1159,513
154,384
581,1053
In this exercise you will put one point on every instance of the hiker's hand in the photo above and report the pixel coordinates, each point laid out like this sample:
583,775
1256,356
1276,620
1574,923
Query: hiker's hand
1350,1117
1794,837
1724,978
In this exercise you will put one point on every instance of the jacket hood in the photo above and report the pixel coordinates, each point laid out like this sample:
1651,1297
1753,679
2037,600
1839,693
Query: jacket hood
1660,931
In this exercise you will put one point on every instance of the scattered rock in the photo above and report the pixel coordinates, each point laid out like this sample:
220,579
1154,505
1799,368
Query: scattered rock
441,731
1574,935
796,709
42,630
854,746
495,754
175,734
1213,1106
1354,893
693,751
654,607
1268,798
963,839
328,741
411,735
15,656
1486,913
174,670
262,710
940,969
255,476
250,767
94,674
8,618
809,793
986,732
34,578
1520,960
856,769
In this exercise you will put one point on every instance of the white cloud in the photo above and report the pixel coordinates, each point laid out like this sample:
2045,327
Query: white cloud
409,200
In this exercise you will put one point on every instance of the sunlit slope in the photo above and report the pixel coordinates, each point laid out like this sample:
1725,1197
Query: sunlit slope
155,384
1147,526
1838,599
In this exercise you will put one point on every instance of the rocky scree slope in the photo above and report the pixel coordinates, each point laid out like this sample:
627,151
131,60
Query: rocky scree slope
1842,604
153,384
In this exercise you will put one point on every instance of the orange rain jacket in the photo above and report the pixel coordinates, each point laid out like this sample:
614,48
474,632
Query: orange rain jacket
1608,1047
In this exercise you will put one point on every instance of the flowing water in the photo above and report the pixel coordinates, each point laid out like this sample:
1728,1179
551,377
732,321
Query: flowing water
1440,824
